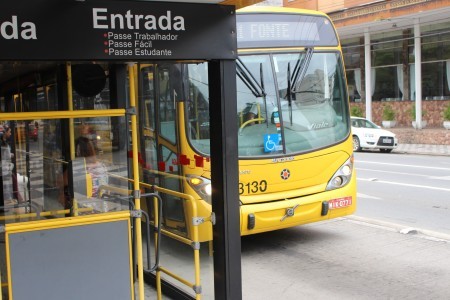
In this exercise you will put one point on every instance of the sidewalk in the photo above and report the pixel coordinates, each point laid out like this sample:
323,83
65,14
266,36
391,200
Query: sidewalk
423,149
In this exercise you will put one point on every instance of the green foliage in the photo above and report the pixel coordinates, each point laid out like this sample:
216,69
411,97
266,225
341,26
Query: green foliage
412,112
447,113
388,113
356,111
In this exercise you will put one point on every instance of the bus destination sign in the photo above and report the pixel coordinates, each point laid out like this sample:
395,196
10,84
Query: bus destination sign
292,30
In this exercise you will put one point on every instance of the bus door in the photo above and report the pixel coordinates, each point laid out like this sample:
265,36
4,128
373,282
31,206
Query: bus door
159,91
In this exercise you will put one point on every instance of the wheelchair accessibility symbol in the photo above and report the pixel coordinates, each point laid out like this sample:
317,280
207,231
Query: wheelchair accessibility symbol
271,142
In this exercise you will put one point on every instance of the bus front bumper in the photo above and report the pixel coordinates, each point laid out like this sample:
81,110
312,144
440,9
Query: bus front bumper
262,217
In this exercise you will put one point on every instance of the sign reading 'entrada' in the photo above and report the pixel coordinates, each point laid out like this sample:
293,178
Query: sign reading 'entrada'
136,43
116,30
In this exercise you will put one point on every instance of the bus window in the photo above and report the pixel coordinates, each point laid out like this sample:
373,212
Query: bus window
198,106
147,123
257,107
309,116
167,105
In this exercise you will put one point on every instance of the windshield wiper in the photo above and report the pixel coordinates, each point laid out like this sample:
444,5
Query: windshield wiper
250,81
300,69
297,76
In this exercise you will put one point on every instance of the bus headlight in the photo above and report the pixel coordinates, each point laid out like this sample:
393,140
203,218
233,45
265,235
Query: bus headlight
342,175
201,185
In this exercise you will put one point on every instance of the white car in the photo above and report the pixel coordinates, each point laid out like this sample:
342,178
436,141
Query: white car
367,134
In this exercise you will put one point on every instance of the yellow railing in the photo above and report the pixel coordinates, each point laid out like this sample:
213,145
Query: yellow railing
41,214
53,115
193,242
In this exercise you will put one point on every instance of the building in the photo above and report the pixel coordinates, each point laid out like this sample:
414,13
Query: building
396,53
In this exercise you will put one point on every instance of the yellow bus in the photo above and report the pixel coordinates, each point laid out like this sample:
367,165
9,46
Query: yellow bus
294,141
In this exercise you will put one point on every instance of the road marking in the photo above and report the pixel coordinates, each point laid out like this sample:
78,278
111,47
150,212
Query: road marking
390,172
401,165
359,195
440,177
405,184
409,174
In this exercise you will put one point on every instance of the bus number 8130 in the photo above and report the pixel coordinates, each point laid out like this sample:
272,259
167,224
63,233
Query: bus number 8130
252,187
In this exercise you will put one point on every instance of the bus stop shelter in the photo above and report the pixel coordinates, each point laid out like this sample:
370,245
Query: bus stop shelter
77,30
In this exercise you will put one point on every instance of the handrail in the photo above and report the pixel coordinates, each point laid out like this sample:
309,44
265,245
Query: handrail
135,164
62,114
193,242
39,214
158,232
125,196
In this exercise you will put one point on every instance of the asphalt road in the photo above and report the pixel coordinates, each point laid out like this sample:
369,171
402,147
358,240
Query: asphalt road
409,190
344,259
338,259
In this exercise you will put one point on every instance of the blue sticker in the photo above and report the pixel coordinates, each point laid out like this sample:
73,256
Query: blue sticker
271,142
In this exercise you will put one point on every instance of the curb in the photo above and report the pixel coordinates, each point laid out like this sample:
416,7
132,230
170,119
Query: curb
421,153
402,229
423,149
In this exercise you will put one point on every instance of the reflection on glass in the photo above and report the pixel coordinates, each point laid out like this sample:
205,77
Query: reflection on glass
172,169
49,185
160,141
198,107
279,111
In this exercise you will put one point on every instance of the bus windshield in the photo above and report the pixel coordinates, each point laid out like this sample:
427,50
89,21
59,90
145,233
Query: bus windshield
288,103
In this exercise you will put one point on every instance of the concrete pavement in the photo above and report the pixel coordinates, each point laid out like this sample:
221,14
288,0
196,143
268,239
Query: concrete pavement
427,149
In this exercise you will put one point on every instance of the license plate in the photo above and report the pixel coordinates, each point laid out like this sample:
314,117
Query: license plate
387,141
340,202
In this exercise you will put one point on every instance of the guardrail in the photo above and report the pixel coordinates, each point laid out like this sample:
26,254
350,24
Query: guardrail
193,241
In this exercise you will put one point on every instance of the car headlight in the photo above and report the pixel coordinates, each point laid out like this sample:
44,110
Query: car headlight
201,185
342,175
368,135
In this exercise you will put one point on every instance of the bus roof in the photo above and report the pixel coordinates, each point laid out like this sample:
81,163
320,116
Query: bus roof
279,9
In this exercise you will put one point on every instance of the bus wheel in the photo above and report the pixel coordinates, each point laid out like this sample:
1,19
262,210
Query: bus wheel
356,144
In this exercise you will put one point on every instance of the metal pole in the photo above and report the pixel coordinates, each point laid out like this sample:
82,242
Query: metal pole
70,107
136,193
418,73
368,72
224,178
